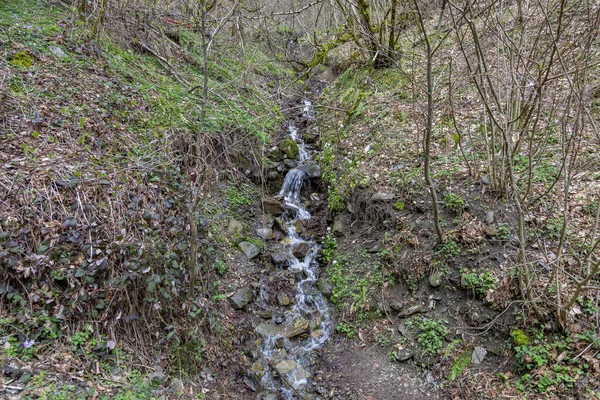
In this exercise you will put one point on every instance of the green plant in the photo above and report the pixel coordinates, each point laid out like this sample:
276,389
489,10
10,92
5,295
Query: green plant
347,329
220,267
478,283
449,248
519,337
459,365
503,231
431,334
329,247
454,202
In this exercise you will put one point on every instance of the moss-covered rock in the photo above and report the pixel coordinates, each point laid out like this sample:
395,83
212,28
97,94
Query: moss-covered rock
290,148
22,60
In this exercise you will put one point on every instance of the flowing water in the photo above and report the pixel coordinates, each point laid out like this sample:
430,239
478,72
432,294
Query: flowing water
288,355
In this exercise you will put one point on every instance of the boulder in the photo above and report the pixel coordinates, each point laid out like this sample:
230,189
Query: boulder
287,329
283,299
235,227
311,169
290,148
275,154
265,233
402,355
478,355
341,226
300,249
324,287
280,256
285,366
290,164
272,206
249,249
241,297
435,279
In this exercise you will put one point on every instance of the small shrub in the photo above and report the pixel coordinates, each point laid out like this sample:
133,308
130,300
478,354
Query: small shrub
478,283
348,329
431,336
454,202
329,247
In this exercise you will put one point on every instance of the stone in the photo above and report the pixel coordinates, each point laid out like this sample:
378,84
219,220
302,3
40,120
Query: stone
381,196
484,179
58,52
287,329
235,227
300,375
249,249
324,287
311,169
280,256
396,306
435,279
266,314
289,163
265,233
299,250
275,154
489,217
285,366
317,334
290,148
258,368
280,224
272,206
478,355
241,297
402,355
283,299
490,230
340,225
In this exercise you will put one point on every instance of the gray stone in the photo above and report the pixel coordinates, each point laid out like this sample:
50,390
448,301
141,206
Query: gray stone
235,227
286,329
258,368
381,196
484,179
340,225
249,249
396,306
311,169
299,374
324,287
283,299
290,164
402,355
272,206
58,52
285,366
478,355
265,233
275,154
435,279
241,297
489,217
299,250
280,224
490,230
280,256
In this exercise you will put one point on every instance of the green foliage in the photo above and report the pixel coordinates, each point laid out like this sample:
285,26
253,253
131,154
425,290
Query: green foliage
431,334
353,286
329,247
459,365
519,337
449,248
347,329
241,196
479,283
503,231
454,202
22,60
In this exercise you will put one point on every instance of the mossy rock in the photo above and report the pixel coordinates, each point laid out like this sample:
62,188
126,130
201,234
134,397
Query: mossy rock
22,60
519,337
290,148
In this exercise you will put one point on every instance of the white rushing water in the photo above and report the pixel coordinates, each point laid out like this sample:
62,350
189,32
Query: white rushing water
288,360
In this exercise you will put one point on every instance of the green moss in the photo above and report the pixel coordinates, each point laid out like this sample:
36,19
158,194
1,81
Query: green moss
290,148
22,60
519,337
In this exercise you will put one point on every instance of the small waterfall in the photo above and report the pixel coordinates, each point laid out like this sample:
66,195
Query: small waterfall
289,351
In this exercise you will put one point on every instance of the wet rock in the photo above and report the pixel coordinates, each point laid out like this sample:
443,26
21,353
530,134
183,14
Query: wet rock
280,224
381,196
272,206
249,249
266,314
235,227
324,287
402,355
290,164
299,375
241,297
285,366
299,250
317,334
340,225
311,169
283,299
280,343
275,154
435,279
280,256
287,329
290,148
489,217
265,233
251,383
478,355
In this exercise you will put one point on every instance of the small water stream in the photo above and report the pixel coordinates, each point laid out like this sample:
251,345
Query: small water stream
287,351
